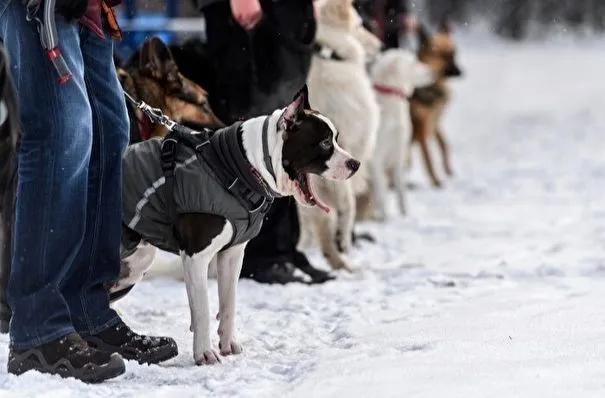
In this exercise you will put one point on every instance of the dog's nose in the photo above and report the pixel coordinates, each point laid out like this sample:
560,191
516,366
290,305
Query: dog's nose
353,165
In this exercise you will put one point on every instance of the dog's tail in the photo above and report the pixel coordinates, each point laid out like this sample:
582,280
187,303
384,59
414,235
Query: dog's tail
9,145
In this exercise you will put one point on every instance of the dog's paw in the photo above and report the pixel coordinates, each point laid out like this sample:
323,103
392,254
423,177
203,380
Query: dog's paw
437,184
344,243
208,357
231,348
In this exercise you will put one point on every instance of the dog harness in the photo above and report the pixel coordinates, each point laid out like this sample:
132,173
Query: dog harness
428,95
202,172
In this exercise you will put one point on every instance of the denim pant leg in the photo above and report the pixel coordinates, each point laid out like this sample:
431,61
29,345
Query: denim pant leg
98,262
56,128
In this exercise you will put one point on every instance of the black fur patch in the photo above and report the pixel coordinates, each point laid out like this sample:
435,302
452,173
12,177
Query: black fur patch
308,139
307,147
195,231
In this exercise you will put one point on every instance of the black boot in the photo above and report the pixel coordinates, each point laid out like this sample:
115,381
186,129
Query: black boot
132,346
69,356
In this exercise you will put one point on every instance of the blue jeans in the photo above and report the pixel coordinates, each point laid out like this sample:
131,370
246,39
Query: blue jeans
68,211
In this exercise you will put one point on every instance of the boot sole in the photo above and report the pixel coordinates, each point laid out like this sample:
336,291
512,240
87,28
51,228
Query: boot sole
90,374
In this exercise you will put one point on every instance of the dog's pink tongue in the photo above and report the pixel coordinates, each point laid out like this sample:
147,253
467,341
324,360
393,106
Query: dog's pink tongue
318,202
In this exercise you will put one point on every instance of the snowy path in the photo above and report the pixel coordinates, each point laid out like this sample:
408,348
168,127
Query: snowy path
492,287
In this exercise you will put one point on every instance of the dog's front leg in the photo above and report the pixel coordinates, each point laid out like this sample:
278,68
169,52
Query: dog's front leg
346,211
229,266
380,189
195,269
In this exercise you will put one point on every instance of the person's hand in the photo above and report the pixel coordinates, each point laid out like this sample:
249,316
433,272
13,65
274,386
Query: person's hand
409,22
316,9
247,13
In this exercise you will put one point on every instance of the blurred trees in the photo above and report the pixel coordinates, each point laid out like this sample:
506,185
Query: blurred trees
513,18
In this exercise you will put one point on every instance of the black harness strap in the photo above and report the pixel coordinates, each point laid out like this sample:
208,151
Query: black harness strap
179,135
267,155
326,52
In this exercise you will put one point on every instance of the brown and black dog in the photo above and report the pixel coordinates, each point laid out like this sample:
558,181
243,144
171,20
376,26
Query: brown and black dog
155,79
438,51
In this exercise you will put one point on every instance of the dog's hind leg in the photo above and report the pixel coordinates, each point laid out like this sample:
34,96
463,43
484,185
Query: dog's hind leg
229,266
445,151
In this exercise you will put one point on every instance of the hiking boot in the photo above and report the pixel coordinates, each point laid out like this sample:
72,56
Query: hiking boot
277,273
69,356
132,346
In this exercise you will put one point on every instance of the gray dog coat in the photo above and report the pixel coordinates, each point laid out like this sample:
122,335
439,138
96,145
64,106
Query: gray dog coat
211,176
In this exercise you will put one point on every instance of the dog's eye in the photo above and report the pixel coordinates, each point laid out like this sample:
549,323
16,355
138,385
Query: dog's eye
326,144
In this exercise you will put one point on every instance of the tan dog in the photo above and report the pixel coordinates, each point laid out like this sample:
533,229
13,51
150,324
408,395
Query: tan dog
438,51
157,80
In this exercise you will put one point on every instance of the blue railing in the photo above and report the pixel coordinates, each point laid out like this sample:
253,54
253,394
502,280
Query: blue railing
138,24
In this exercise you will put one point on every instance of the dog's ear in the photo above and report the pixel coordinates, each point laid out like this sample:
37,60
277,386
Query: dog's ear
445,26
424,37
156,59
304,91
293,113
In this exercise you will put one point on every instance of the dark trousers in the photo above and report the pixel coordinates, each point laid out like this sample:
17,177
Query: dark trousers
239,71
68,210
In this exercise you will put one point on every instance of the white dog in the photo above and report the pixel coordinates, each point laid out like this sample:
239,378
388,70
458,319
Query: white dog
396,73
340,88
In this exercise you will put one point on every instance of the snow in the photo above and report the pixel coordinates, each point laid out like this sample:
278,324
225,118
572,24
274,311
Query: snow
492,287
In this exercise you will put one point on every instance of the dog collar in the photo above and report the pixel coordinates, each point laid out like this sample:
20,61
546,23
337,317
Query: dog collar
326,52
388,90
266,155
145,127
228,150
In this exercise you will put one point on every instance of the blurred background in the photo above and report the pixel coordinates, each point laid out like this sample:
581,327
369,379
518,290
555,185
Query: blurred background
516,20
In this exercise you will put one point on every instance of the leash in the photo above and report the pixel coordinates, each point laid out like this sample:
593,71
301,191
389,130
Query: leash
155,114
47,28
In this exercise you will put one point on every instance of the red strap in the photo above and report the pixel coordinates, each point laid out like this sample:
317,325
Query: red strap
391,91
145,127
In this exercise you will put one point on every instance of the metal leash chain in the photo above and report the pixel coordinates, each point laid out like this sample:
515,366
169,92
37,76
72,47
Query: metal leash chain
155,114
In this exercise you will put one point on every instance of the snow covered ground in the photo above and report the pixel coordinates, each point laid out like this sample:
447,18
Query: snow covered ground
493,287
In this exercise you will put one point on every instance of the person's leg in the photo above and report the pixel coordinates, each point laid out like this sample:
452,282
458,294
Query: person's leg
228,46
99,257
50,220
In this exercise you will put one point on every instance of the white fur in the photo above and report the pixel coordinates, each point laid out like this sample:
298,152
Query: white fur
399,69
342,91
228,263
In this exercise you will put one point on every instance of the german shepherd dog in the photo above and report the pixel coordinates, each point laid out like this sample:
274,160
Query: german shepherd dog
9,141
153,76
438,51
